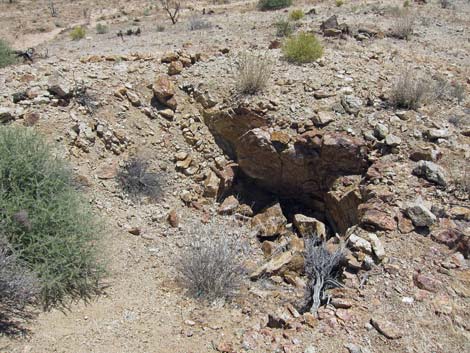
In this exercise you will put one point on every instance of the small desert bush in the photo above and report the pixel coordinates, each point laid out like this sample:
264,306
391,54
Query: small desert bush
296,15
339,3
138,181
6,54
302,48
411,90
101,28
160,28
46,221
403,27
406,3
78,33
266,5
211,266
253,72
445,4
18,285
284,28
197,23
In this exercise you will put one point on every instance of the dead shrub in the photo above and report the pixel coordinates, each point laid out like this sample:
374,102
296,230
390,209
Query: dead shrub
197,23
322,269
411,90
211,266
403,26
253,72
137,181
18,287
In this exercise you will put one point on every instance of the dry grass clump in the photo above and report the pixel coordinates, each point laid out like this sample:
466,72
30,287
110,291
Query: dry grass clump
411,90
284,28
18,287
101,28
253,72
137,181
7,57
302,48
197,23
403,26
211,266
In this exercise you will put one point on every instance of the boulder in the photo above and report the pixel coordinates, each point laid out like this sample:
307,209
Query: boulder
175,68
420,215
211,184
309,226
164,91
270,222
229,206
431,172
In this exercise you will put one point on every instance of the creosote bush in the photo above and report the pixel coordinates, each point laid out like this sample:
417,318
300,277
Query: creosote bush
302,48
266,5
48,224
7,57
296,15
78,33
137,181
254,72
210,267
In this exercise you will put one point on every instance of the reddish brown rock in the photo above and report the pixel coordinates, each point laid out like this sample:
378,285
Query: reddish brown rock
376,215
386,328
173,218
270,222
175,68
229,206
426,282
164,91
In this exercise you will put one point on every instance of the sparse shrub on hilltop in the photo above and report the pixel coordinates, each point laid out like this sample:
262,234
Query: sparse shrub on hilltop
45,220
254,71
6,54
302,48
266,5
78,33
296,15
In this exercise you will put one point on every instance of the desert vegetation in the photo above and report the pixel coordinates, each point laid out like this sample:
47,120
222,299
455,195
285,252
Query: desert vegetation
6,54
253,72
49,227
302,48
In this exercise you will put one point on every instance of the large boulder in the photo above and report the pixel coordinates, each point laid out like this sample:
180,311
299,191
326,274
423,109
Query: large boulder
270,222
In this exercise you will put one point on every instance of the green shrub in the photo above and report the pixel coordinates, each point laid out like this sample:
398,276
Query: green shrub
296,15
266,5
284,28
78,33
6,55
46,221
339,3
302,48
101,28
